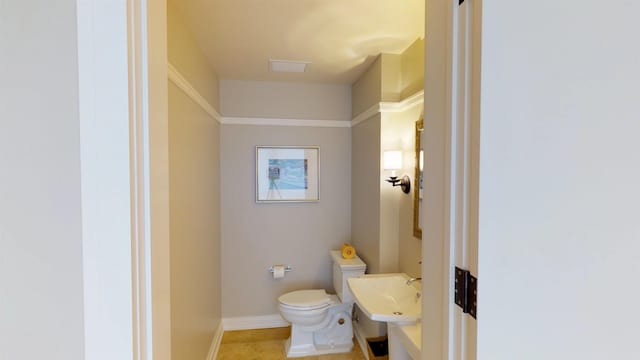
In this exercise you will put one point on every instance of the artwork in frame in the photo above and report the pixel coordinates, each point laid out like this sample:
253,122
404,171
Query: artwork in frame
287,174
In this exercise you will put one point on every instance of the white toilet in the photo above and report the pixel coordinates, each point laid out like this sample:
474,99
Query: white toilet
321,323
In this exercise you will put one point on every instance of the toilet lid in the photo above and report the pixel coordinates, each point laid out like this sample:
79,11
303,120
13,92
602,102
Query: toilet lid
305,298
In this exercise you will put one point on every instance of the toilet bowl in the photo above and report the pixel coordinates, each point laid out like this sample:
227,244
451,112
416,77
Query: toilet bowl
320,322
305,308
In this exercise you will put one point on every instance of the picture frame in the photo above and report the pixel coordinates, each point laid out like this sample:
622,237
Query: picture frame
287,174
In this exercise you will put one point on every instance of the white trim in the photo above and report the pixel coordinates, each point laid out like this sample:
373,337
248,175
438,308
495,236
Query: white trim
437,326
180,81
382,107
109,332
284,122
139,143
156,157
215,343
362,342
389,107
122,109
254,322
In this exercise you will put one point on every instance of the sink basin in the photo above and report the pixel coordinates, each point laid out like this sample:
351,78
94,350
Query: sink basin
387,297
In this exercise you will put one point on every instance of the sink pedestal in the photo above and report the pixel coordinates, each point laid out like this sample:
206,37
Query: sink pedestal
396,348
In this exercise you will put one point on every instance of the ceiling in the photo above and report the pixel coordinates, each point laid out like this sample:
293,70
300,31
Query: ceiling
339,37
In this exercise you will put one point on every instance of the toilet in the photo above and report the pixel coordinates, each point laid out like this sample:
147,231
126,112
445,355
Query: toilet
321,322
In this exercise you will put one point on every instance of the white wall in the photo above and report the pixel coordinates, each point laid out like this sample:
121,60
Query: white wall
41,306
559,231
256,236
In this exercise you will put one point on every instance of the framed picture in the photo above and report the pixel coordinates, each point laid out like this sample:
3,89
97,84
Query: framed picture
287,173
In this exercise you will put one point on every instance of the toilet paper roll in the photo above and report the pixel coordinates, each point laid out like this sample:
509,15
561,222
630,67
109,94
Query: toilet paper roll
278,271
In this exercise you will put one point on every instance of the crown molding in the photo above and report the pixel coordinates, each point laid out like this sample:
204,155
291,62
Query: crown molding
181,82
284,122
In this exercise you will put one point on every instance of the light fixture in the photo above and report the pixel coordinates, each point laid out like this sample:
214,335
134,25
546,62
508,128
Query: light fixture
392,160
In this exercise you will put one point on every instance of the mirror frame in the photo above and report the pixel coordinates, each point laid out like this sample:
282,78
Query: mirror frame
417,230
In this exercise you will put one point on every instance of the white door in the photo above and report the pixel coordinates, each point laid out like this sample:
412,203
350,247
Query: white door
560,168
451,177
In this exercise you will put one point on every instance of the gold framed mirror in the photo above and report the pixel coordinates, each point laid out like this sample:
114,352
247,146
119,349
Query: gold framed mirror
417,187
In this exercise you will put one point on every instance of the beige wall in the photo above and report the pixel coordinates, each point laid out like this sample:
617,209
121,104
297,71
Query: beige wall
194,194
256,236
264,99
195,226
399,133
41,296
367,90
365,191
391,77
382,216
395,134
412,64
184,54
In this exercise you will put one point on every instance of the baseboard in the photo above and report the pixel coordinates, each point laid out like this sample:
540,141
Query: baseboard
215,343
359,334
254,322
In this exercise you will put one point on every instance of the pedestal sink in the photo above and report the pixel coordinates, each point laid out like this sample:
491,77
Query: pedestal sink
388,298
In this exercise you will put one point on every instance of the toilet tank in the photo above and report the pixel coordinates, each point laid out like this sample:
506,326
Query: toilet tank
344,269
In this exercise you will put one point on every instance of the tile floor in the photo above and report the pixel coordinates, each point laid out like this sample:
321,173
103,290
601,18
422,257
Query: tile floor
268,344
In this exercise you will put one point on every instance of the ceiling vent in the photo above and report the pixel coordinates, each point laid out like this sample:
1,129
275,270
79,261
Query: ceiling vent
288,66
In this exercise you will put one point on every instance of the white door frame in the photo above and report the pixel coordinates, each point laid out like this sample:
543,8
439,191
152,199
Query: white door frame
124,170
465,137
451,179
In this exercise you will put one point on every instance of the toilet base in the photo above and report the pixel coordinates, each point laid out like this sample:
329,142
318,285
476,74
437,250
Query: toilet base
315,349
336,335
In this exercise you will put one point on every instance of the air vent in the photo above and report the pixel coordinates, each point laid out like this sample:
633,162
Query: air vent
288,66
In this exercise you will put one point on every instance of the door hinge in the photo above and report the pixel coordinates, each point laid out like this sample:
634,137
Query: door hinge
466,292
460,2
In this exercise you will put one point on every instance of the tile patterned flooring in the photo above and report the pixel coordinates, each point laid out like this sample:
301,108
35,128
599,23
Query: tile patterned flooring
268,344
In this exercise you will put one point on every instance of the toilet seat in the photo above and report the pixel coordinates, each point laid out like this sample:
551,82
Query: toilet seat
305,299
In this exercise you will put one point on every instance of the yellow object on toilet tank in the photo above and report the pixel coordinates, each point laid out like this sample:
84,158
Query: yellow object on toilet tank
348,251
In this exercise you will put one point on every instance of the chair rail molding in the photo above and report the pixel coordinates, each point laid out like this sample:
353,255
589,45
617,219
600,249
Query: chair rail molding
181,82
389,107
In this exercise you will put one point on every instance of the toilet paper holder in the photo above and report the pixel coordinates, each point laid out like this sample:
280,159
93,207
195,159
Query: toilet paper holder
286,268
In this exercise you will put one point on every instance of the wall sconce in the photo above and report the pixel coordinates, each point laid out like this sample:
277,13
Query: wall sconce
392,160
